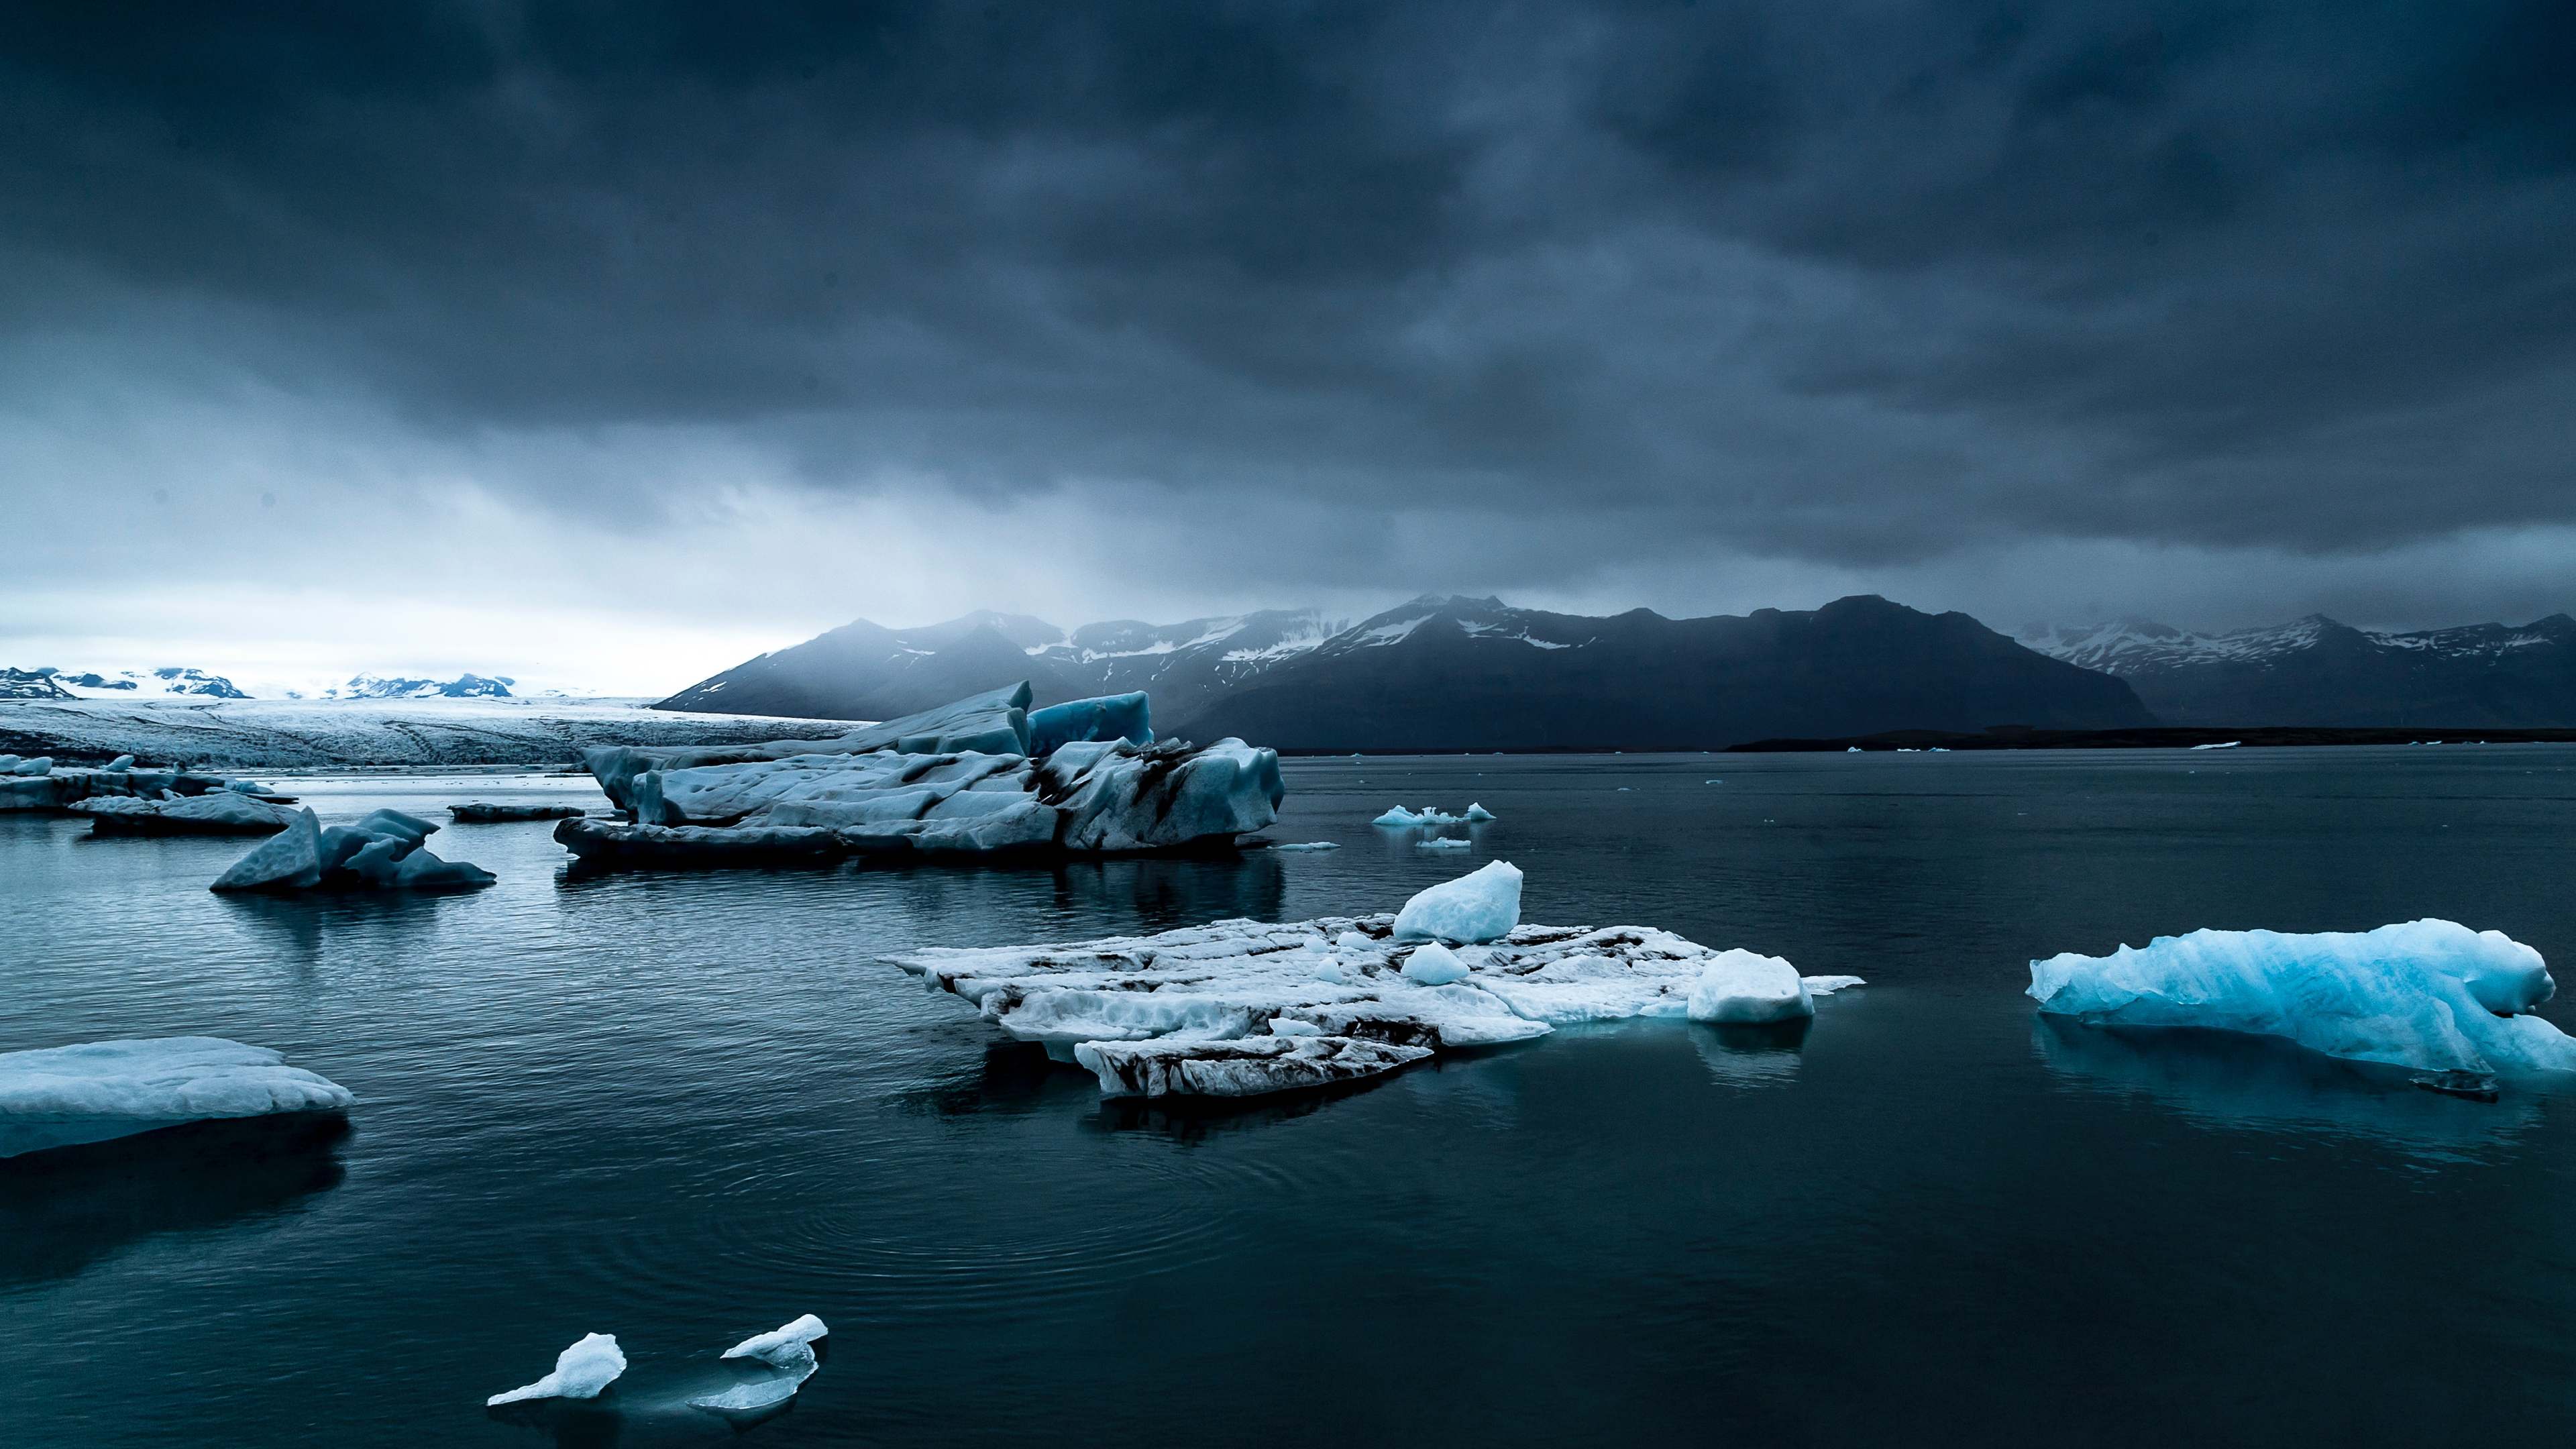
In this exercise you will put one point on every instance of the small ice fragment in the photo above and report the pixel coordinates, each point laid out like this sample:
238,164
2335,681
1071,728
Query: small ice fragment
2220,745
1311,845
1441,844
1828,985
1434,965
803,1329
1475,908
1293,1026
581,1371
120,764
1478,813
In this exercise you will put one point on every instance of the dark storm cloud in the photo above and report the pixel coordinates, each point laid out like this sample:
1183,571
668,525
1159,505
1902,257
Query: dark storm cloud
1854,283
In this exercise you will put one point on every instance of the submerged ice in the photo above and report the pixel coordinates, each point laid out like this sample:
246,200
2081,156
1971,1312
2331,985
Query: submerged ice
1242,1008
789,1350
65,1096
2428,994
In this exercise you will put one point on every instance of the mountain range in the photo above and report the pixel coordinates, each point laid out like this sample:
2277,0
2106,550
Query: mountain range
1443,673
178,681
2315,671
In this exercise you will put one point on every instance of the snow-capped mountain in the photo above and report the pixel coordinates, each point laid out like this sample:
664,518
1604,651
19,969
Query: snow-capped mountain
463,686
1458,673
2315,671
166,682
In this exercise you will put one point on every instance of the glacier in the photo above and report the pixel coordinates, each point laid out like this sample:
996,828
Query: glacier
581,1371
382,851
2429,994
69,1095
960,780
1244,1008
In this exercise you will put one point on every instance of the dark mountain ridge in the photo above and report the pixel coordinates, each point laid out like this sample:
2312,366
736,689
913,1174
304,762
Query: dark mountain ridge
1441,673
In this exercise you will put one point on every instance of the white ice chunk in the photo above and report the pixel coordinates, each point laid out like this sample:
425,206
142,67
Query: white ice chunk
121,763
1740,987
1477,814
64,1096
1433,964
1398,817
41,765
1443,844
1828,985
581,1371
1311,845
1483,906
2429,994
797,1362
803,1329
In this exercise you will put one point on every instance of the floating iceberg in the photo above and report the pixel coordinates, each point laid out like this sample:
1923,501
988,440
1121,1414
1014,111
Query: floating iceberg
1399,818
41,765
1241,1008
789,1349
480,813
802,1329
581,1371
1484,906
994,722
2220,745
1443,843
381,852
2429,994
1084,796
220,812
1477,814
1310,845
1740,988
66,1096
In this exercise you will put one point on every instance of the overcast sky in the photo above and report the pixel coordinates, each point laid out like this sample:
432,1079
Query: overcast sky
608,344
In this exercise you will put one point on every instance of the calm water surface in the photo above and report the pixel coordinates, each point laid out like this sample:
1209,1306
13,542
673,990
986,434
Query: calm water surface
684,1108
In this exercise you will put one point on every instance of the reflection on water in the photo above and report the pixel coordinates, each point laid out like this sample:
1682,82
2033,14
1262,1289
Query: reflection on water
2237,1080
1751,1056
63,1209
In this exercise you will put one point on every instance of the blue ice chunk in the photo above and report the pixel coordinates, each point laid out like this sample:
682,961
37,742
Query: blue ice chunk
1109,717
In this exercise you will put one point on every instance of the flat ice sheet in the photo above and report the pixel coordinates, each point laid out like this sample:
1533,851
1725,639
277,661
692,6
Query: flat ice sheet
65,1096
1241,1008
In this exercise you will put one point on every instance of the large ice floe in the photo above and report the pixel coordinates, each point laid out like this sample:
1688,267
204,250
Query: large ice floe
382,851
2429,994
40,784
70,1095
968,778
1242,1008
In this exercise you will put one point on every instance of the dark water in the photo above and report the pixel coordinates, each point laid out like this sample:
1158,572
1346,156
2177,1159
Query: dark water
682,1109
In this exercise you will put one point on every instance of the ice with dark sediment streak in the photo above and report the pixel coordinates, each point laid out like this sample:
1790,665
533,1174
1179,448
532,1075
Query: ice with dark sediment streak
1243,1008
481,812
92,1092
1086,797
994,722
2430,994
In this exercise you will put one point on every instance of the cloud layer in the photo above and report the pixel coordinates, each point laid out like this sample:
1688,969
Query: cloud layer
2194,309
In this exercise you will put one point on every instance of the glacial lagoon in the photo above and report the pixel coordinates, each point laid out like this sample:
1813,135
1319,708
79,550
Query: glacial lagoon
683,1108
